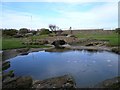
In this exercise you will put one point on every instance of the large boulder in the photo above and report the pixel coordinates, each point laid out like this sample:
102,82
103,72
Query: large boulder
6,75
60,82
58,43
109,83
17,83
5,65
116,50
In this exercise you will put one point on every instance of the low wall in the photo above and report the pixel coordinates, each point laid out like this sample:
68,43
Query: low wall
88,31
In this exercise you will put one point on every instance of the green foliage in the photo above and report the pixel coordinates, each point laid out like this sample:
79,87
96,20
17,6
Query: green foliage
14,43
39,37
5,65
33,32
117,30
44,31
38,46
23,31
9,32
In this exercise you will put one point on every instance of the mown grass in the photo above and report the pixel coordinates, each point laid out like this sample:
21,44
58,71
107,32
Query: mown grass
112,37
14,43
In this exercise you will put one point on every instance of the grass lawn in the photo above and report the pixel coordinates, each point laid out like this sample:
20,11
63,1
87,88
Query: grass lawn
113,37
13,43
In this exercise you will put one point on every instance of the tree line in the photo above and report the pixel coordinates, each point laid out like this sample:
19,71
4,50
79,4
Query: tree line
23,31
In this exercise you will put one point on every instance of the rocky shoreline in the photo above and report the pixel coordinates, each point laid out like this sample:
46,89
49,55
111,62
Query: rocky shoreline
65,81
26,82
59,82
7,54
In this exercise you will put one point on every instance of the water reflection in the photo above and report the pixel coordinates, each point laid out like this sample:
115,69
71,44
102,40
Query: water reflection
88,68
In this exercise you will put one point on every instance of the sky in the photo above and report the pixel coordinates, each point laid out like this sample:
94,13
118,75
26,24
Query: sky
78,15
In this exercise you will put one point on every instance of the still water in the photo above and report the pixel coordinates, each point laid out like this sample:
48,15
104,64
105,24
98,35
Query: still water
87,68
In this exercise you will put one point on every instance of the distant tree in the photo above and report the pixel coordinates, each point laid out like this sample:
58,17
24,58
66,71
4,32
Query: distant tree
9,32
44,31
117,30
23,31
53,28
33,32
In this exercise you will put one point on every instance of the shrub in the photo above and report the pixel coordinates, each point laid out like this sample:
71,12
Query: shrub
23,31
9,32
117,30
44,31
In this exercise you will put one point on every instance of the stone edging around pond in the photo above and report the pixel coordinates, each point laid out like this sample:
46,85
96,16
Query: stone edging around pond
27,82
24,51
59,82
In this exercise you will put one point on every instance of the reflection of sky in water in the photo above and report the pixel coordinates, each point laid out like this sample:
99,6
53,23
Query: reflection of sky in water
88,68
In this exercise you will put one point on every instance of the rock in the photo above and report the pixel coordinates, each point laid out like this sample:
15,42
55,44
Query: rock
65,81
109,83
22,50
42,42
7,74
18,36
58,43
5,65
67,85
26,53
18,83
62,49
116,50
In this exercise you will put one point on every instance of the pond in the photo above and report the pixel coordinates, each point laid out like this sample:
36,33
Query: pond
87,68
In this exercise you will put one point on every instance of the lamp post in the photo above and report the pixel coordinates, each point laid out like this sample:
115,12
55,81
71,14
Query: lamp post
31,21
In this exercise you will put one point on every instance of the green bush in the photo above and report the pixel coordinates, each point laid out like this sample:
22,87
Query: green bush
44,31
23,31
9,32
117,30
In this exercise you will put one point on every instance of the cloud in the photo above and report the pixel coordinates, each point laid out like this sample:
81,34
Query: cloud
101,16
16,19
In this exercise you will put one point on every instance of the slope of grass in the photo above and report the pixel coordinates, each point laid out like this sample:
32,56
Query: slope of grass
113,37
14,43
